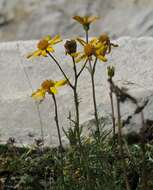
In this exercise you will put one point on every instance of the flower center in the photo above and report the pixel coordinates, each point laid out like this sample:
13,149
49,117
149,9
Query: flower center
47,84
89,50
43,44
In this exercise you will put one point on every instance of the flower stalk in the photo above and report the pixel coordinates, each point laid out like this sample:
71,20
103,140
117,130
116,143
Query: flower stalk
92,73
113,114
111,73
59,136
77,121
57,122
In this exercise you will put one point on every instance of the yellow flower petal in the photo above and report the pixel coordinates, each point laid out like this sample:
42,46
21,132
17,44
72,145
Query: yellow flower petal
79,19
39,94
85,20
50,49
44,53
53,90
81,41
98,45
47,38
92,19
29,55
61,83
94,40
37,53
56,39
75,54
82,57
102,58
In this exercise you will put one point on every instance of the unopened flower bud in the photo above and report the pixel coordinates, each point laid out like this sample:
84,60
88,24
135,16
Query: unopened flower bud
70,47
111,71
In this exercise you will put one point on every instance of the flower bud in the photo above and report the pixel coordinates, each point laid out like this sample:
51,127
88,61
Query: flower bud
111,71
70,47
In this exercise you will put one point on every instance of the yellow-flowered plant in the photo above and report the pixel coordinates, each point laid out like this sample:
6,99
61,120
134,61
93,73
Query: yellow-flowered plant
96,48
45,45
91,52
48,86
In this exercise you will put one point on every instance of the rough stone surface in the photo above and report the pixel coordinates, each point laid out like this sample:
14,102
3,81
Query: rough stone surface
32,19
19,116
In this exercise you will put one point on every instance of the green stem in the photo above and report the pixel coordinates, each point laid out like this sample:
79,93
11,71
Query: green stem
92,74
79,73
94,66
94,95
57,121
87,38
112,107
113,117
77,123
59,134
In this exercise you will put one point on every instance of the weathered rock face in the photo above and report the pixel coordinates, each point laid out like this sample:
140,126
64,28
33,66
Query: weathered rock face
32,19
19,115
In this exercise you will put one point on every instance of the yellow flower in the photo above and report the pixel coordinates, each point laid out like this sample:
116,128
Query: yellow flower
92,48
48,86
45,45
85,21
